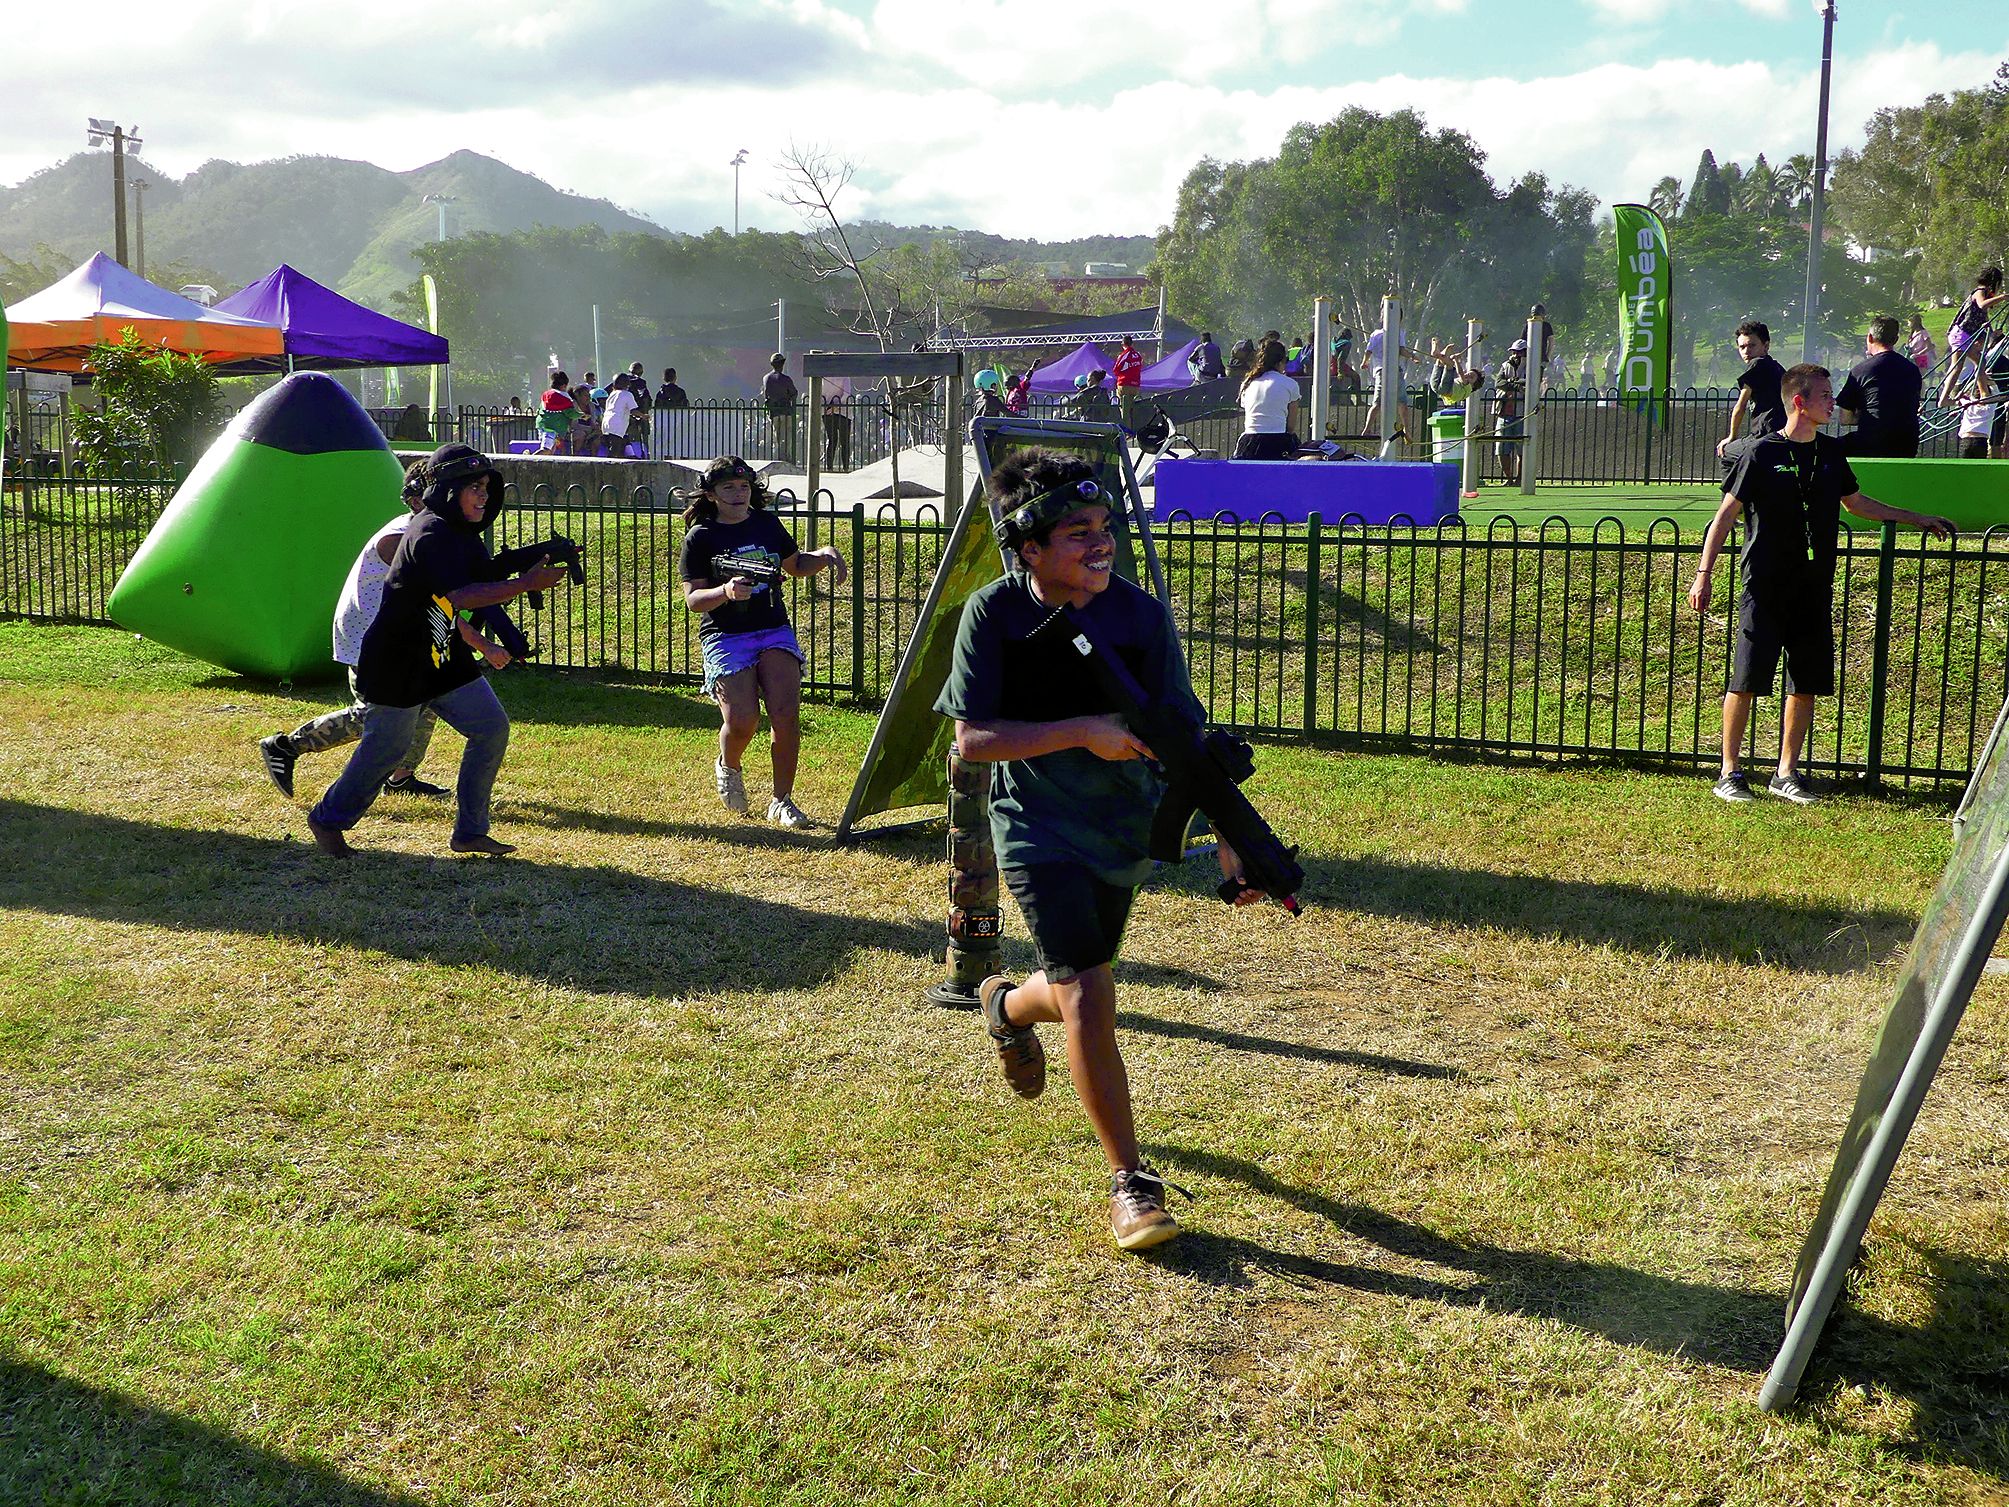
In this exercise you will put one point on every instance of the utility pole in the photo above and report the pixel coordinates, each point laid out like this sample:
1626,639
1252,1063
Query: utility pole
738,161
1813,303
110,133
140,186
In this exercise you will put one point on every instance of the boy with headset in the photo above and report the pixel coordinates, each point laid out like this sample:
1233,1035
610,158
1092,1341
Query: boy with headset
1072,795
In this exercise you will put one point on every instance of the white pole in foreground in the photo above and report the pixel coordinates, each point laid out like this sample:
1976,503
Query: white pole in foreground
1321,370
1389,390
596,340
1533,361
1475,409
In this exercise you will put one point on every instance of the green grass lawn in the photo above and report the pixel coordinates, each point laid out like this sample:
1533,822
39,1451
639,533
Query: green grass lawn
1582,507
634,1169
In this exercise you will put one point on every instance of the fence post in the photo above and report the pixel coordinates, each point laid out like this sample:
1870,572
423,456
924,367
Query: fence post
1312,572
857,563
1879,663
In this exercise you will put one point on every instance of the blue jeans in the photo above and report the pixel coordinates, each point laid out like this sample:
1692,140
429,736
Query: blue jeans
470,710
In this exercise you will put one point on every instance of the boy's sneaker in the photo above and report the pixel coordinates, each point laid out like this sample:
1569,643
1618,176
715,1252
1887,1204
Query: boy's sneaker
1792,787
1137,1214
731,788
1734,787
1019,1051
279,756
783,812
411,784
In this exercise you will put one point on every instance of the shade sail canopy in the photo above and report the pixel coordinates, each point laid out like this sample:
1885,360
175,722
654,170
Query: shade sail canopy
54,330
325,331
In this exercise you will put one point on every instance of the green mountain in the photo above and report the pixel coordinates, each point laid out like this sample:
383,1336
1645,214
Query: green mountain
351,225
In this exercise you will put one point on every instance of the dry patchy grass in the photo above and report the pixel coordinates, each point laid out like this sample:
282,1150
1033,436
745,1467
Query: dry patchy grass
635,1170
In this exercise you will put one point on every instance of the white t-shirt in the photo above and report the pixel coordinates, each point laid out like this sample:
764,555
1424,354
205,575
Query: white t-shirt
1374,349
620,408
1975,421
363,592
1266,403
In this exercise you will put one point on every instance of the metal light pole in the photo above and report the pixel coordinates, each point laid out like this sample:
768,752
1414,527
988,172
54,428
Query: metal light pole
140,186
738,160
105,132
1813,303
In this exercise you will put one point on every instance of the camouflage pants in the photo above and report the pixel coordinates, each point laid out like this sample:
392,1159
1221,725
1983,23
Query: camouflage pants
333,729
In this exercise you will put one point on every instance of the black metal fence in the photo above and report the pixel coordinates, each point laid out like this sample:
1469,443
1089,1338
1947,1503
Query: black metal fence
1548,641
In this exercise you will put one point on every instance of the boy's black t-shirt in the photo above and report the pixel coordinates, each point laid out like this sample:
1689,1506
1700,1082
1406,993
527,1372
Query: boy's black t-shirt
1792,494
413,652
1767,409
758,537
778,388
1068,806
1883,393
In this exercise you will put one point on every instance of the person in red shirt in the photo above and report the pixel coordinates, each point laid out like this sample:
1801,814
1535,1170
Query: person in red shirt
1128,369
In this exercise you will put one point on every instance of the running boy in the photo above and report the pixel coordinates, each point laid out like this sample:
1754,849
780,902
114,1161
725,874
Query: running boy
751,655
1071,795
1790,488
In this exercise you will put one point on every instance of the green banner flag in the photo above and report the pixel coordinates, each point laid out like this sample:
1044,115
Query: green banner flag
432,323
1645,307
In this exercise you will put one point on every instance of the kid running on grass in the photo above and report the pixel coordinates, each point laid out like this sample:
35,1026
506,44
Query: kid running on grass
751,655
1071,794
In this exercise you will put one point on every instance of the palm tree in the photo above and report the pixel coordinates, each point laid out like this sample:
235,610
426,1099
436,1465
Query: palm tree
1758,191
1795,179
1665,200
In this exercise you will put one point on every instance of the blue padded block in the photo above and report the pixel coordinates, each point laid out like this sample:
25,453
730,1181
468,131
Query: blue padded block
1373,491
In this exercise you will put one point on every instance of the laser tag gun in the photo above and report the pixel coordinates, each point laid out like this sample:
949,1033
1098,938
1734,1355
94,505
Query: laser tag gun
558,549
760,571
1203,772
498,625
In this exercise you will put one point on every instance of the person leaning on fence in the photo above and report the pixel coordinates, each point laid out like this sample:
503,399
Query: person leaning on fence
750,652
423,651
1269,402
1880,397
1789,488
355,610
1071,794
1757,389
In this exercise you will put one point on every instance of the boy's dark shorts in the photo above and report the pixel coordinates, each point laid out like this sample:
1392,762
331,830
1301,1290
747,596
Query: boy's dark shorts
1799,623
1075,919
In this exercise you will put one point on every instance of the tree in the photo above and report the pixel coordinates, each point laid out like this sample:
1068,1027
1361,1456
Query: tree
157,408
1795,180
1666,198
1707,194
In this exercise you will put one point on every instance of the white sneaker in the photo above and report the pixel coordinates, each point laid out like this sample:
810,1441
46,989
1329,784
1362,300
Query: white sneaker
783,812
731,788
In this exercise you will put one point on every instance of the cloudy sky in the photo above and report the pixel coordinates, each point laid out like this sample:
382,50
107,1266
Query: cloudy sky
1023,117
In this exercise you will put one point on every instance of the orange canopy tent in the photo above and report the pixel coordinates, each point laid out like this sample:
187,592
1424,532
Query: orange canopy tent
54,330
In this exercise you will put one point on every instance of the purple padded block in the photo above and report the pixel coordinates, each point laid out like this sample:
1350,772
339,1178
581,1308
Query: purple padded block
1373,491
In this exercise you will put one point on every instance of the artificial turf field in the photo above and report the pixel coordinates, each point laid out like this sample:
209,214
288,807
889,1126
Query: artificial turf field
634,1169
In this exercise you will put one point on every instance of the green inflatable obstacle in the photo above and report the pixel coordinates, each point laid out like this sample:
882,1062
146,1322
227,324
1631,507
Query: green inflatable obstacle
1973,493
245,566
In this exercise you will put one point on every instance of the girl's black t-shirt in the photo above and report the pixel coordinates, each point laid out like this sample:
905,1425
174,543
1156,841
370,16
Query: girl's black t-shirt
758,538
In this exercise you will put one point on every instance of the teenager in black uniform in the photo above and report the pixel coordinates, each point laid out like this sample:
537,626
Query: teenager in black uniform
1757,388
1790,488
1881,397
423,650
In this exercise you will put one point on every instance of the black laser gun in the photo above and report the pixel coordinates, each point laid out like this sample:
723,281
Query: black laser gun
1203,772
764,572
558,549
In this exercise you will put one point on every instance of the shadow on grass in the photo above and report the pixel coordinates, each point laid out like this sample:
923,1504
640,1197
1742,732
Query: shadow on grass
64,1441
1680,923
1269,1046
1955,1367
919,844
593,928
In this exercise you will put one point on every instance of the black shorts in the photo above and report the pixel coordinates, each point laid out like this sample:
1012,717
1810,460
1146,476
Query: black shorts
1974,447
1266,446
1075,919
1798,623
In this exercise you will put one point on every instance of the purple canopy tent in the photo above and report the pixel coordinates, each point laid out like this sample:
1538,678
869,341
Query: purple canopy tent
1170,373
1058,377
325,331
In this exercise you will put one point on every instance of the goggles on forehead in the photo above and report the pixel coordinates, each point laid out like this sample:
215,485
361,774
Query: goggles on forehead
1046,509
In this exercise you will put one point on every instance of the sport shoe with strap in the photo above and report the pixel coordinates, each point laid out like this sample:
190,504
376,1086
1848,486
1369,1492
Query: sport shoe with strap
731,787
783,812
1019,1052
279,756
1137,1214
